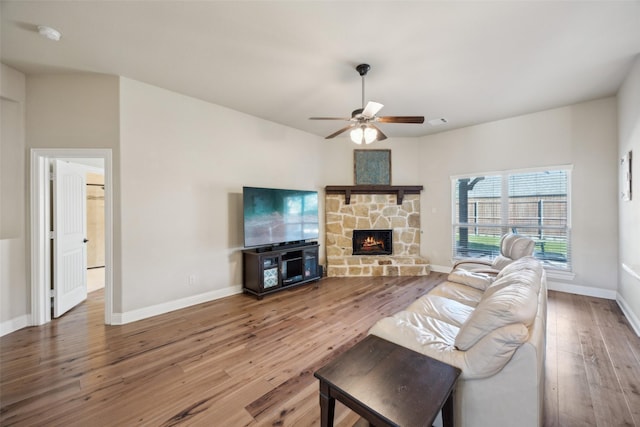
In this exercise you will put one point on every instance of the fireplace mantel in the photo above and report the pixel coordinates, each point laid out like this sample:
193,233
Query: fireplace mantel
398,190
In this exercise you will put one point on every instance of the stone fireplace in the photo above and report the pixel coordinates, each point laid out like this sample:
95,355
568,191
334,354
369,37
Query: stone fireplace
382,210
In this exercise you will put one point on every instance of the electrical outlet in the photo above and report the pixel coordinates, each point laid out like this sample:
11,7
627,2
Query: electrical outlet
192,279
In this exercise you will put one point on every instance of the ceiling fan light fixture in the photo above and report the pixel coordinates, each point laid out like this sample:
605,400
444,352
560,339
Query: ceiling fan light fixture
363,129
357,135
364,134
370,135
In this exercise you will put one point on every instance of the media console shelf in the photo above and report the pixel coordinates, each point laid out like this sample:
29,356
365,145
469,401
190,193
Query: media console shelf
278,268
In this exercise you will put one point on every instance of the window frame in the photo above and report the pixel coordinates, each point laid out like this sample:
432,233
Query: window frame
504,224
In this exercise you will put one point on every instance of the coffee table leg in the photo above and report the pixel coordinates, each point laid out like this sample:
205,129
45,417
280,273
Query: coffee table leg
447,411
327,406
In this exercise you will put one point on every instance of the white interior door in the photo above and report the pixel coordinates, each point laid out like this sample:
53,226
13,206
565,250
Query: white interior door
70,231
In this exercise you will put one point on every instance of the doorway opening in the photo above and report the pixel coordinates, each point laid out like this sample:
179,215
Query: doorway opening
41,251
95,224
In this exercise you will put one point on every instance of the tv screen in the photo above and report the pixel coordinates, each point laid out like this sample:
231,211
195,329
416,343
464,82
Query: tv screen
274,216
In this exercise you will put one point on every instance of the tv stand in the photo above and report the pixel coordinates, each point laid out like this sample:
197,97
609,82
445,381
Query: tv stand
283,246
272,269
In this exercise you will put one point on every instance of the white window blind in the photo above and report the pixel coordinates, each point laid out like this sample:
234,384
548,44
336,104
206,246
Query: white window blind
532,203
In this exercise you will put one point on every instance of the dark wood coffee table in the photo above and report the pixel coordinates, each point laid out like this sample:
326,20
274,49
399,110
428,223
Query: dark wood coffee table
388,385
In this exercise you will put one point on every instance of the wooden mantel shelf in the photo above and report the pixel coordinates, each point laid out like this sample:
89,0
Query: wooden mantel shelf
398,190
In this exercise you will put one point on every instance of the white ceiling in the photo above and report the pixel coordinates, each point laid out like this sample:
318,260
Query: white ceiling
284,61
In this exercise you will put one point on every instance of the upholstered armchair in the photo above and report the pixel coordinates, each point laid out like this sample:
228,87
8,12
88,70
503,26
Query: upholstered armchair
512,247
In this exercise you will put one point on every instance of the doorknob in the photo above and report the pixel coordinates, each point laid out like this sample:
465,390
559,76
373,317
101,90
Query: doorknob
85,240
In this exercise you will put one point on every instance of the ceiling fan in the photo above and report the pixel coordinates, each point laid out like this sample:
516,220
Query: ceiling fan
362,119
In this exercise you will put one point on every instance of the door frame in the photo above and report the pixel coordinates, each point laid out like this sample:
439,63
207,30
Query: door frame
41,224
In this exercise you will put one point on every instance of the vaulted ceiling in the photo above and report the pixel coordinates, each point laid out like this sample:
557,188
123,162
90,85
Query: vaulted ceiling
284,61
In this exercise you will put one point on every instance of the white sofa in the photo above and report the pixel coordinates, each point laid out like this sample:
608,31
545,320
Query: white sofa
494,330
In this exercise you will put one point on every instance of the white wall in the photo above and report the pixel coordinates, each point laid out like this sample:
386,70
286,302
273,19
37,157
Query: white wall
184,162
629,133
14,277
583,135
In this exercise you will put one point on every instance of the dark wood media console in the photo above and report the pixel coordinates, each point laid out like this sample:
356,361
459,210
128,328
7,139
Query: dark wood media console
265,271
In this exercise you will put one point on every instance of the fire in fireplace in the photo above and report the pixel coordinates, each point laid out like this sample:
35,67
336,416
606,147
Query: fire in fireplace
372,242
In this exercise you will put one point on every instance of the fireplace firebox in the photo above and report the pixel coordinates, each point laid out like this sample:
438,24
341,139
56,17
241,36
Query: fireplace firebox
372,242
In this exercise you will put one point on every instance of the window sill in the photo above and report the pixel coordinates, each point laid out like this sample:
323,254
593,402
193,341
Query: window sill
559,274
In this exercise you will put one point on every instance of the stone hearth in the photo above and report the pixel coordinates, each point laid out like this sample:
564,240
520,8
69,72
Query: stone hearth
374,211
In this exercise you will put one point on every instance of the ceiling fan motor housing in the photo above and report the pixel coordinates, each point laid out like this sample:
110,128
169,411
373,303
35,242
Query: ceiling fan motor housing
363,69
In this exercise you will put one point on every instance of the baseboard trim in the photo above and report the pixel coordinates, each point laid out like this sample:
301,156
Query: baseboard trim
440,268
14,324
155,310
634,321
582,290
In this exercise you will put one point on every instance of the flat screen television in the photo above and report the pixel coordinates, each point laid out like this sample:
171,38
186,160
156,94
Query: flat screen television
275,216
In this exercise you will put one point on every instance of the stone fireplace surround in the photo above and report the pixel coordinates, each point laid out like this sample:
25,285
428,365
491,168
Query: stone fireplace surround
348,211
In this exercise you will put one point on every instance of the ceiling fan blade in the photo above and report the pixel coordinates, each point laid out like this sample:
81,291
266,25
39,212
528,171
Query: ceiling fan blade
372,109
344,129
400,119
330,118
381,135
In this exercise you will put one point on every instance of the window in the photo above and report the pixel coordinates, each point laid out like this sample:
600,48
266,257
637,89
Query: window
532,203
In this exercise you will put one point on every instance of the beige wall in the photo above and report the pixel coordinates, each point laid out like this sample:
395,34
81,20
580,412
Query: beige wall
582,135
184,162
79,111
14,277
181,164
337,154
629,131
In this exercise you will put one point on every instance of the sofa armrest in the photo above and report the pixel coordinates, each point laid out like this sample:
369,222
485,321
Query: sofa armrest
475,263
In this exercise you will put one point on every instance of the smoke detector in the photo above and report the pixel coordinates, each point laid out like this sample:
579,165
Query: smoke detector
49,33
438,122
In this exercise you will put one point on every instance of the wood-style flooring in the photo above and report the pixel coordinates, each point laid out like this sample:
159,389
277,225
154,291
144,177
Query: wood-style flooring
243,362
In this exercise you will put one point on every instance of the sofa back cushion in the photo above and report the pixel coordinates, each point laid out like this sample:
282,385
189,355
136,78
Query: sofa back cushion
465,277
527,271
524,263
489,355
511,299
515,246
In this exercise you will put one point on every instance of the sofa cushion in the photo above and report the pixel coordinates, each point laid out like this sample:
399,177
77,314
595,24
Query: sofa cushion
441,308
514,302
462,293
500,262
527,271
530,274
415,331
489,355
470,278
435,339
529,263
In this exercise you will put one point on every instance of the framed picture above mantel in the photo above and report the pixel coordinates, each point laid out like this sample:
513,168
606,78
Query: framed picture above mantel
372,167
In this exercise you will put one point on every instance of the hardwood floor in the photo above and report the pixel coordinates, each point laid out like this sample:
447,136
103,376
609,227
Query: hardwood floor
592,364
243,362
